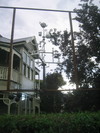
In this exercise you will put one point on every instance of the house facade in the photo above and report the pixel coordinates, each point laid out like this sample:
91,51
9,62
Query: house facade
24,76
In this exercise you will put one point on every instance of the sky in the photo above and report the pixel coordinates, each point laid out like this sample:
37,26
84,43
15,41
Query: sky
27,21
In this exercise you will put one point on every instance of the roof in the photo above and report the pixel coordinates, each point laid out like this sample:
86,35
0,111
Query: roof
4,40
28,42
27,39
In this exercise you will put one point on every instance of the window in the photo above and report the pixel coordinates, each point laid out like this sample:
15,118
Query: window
28,66
4,57
24,69
28,60
16,62
28,72
24,57
31,63
31,74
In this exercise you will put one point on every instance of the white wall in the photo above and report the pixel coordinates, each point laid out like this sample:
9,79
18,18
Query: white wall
26,83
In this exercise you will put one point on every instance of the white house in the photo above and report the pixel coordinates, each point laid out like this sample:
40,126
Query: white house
24,75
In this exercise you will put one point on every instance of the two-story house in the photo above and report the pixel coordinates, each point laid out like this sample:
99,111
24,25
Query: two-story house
24,76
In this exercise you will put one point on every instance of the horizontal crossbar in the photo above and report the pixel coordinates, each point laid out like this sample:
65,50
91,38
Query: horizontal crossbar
37,9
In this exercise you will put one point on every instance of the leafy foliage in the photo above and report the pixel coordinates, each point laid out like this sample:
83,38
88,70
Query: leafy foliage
54,80
87,47
51,101
82,100
51,123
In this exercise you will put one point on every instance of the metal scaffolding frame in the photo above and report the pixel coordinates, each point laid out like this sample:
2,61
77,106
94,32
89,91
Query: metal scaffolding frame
43,63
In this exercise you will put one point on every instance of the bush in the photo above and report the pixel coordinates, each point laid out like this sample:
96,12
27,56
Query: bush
51,123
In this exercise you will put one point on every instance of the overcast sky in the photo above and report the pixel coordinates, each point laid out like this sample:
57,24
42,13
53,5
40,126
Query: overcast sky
27,22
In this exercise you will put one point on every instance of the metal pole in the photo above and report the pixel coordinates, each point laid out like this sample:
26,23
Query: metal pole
29,107
9,105
11,51
18,107
44,82
73,48
37,9
25,104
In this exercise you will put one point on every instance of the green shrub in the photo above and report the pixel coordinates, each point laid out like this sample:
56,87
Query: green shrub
51,123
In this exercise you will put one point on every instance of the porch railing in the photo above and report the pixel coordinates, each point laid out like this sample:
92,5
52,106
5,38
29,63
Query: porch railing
4,74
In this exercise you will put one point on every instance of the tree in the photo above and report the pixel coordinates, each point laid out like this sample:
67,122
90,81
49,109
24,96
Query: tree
87,50
54,81
51,101
82,100
87,46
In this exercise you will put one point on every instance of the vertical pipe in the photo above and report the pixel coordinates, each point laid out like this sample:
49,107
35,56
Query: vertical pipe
39,109
25,104
44,82
33,105
73,48
11,51
9,107
29,107
19,103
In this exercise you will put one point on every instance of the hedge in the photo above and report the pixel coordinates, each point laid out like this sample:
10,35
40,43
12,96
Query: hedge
87,122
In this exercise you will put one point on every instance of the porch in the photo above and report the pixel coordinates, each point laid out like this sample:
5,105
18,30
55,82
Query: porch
15,78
